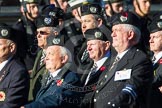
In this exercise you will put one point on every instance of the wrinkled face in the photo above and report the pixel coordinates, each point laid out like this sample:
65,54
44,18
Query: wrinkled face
33,10
120,37
97,49
88,22
156,41
42,34
53,58
144,6
5,49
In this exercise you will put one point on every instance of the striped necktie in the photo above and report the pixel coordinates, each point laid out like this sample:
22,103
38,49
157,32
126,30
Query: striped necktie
91,73
114,63
42,58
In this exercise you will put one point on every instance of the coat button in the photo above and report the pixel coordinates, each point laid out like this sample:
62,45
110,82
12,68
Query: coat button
105,76
95,100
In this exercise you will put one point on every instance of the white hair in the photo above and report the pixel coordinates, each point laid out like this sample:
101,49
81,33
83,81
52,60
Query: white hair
65,51
135,30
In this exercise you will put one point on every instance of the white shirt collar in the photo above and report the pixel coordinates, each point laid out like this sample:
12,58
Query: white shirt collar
158,56
4,63
102,61
54,74
120,55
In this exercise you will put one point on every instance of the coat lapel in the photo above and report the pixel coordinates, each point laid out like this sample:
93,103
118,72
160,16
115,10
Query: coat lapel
123,61
4,72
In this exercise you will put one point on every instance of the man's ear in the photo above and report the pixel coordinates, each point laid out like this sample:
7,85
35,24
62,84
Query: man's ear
99,22
64,59
13,47
131,35
107,44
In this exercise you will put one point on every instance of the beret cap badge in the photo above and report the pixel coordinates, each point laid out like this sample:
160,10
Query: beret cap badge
47,20
159,24
52,14
56,41
124,17
93,9
4,32
160,16
98,34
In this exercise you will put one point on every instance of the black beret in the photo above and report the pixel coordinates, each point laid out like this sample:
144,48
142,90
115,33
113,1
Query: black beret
156,24
6,32
46,21
91,8
51,10
96,34
126,18
55,40
49,16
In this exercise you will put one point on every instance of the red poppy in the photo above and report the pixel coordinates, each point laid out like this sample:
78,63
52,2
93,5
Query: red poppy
2,96
160,61
102,68
59,82
125,14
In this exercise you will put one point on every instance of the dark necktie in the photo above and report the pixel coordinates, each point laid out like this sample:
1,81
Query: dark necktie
49,79
114,63
153,59
91,73
42,58
84,56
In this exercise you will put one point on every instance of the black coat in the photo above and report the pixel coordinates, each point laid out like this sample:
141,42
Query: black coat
156,95
141,77
14,85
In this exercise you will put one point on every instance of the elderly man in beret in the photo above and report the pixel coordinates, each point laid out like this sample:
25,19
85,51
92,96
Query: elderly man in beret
128,80
55,93
91,17
98,46
156,47
47,24
14,77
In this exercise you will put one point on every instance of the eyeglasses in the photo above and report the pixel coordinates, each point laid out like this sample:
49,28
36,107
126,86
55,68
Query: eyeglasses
42,33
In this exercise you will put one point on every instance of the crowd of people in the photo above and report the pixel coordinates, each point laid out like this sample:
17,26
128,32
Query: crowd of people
82,54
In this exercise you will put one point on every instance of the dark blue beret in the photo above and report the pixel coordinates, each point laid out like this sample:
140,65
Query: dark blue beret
91,8
6,32
96,34
126,18
156,24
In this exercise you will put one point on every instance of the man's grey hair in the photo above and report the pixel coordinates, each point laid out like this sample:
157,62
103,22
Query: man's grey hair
65,51
136,31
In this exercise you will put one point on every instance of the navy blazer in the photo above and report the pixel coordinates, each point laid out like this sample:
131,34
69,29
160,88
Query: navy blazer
14,85
52,95
156,95
141,77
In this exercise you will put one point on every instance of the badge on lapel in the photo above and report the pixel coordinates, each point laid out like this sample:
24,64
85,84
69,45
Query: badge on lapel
59,82
2,96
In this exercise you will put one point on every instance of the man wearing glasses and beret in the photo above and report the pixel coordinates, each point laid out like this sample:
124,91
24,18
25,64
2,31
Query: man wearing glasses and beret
46,25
